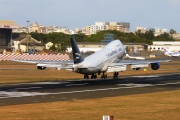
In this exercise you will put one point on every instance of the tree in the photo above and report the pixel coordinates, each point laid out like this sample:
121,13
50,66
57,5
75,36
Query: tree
61,41
149,35
164,37
53,48
172,31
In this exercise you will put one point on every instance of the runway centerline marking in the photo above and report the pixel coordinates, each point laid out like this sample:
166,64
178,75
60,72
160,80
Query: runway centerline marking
7,94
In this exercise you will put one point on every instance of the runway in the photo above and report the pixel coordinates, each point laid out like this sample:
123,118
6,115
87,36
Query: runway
39,92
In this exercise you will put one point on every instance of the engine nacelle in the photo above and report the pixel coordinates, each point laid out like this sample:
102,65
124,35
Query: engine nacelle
155,66
41,67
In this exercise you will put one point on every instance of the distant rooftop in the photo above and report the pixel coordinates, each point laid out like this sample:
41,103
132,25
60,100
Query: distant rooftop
8,24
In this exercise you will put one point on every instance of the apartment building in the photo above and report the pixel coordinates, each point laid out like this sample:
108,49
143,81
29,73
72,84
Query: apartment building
36,27
141,29
88,30
100,26
157,31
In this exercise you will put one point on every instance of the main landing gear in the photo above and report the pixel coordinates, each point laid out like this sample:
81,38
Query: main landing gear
94,76
115,75
86,77
103,76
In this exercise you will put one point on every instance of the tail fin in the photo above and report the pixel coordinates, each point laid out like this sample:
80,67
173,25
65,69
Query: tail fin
76,53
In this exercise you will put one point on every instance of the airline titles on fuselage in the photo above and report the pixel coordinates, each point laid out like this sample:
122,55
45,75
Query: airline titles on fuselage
113,52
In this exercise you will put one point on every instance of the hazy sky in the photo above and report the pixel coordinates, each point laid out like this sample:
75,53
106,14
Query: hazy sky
80,13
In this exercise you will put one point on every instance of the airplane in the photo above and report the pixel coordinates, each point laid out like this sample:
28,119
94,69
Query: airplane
108,59
133,57
170,53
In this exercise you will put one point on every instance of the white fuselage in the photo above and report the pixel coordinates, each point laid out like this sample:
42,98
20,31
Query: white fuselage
99,61
172,54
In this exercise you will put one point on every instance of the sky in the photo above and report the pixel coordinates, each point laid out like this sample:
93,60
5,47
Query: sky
80,13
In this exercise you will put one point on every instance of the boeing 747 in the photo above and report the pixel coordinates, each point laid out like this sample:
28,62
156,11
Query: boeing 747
108,59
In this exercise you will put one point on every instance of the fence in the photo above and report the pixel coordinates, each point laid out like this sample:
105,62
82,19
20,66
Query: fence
48,57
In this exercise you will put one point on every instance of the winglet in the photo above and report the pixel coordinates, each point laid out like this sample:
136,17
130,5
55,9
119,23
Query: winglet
76,53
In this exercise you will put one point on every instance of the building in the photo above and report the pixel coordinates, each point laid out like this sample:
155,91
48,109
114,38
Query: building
86,30
48,45
141,29
113,26
6,27
25,43
36,28
51,29
157,31
88,47
160,45
20,29
100,26
125,26
176,36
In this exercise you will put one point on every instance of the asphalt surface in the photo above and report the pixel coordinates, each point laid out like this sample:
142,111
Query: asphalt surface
39,92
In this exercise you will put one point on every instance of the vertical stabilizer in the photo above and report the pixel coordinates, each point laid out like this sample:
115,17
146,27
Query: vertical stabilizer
76,53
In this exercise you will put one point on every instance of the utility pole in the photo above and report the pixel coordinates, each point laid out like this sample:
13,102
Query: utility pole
27,35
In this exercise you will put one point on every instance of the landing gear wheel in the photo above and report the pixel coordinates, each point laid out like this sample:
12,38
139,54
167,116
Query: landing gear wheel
94,76
86,77
103,76
115,75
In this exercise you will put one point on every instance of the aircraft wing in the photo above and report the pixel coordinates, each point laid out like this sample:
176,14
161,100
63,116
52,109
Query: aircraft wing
44,61
42,64
136,62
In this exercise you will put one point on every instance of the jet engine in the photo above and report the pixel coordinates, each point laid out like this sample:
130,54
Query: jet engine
155,66
41,67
